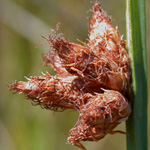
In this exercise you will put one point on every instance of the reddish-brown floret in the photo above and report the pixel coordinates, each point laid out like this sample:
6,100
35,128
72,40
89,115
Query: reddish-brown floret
99,116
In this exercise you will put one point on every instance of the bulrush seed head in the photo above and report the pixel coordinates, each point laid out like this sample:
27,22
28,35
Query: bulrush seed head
99,116
92,78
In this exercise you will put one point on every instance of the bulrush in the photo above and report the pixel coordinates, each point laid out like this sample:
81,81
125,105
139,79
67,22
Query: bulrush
92,78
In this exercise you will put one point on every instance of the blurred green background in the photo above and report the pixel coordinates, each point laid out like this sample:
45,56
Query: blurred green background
22,23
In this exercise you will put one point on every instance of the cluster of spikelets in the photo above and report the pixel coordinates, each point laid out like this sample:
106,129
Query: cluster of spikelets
92,78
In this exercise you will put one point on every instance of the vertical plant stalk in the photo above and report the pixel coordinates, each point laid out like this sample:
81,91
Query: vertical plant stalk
136,44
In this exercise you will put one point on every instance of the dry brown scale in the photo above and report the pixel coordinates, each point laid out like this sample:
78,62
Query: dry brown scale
92,78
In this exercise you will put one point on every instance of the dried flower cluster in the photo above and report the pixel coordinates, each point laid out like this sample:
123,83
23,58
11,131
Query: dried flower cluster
92,78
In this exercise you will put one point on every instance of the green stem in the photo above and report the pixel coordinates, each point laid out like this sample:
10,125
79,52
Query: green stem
136,44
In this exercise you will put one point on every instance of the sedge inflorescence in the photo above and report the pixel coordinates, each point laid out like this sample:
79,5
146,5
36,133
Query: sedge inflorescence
92,78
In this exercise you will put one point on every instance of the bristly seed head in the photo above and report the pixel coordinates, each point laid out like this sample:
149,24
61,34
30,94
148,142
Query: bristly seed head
92,78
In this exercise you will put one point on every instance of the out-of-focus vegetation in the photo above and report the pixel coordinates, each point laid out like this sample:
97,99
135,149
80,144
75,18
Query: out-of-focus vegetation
22,23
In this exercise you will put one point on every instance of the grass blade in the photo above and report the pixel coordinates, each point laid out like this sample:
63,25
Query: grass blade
136,44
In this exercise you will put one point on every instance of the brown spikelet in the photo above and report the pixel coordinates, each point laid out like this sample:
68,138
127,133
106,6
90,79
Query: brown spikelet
102,60
101,114
92,78
52,92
